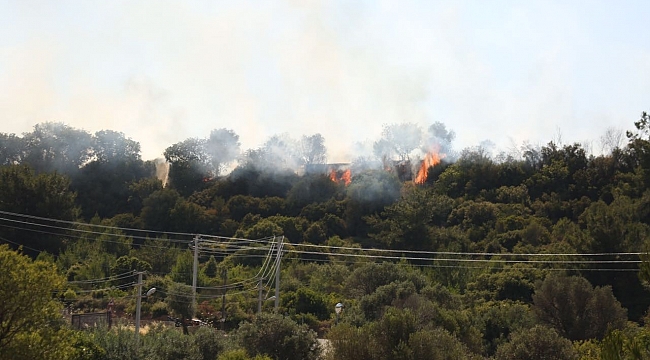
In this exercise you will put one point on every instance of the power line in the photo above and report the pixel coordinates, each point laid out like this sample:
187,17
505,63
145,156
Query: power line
109,278
470,260
263,273
268,239
15,243
80,237
116,287
95,225
435,259
233,246
87,231
425,252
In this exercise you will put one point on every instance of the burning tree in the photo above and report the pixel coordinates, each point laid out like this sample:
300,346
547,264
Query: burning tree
341,176
431,159
398,140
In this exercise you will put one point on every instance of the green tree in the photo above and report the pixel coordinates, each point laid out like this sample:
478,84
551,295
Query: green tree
536,343
577,310
111,146
241,205
140,190
398,140
478,218
222,148
156,213
368,193
189,217
162,343
85,347
313,150
436,344
392,330
407,223
189,165
30,325
12,149
262,229
511,283
316,233
624,345
256,176
639,146
351,343
125,264
179,299
161,254
280,152
278,337
368,278
210,268
103,184
311,189
57,147
44,195
373,305
183,268
500,319
240,354
306,301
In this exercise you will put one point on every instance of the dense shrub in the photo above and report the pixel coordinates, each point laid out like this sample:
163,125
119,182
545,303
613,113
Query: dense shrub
279,337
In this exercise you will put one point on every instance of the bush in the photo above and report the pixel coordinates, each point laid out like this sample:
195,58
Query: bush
99,294
306,301
162,343
352,343
84,347
159,309
240,354
118,342
210,342
69,294
536,343
159,343
278,337
577,310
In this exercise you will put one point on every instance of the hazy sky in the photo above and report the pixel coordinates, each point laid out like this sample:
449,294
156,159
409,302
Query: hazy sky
164,71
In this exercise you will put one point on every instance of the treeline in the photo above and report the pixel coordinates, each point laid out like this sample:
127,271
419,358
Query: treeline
484,259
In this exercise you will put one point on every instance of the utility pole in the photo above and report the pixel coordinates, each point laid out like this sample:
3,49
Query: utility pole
223,299
137,310
277,275
259,296
195,270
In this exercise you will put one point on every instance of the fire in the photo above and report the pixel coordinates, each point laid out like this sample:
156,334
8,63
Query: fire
333,175
344,177
431,159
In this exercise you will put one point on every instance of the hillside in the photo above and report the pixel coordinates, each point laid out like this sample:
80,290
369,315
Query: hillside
540,252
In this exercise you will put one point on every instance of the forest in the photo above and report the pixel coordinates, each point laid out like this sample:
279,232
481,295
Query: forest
429,252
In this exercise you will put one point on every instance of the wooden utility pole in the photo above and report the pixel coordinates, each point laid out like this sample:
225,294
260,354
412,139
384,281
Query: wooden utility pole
277,275
195,270
137,310
259,296
223,299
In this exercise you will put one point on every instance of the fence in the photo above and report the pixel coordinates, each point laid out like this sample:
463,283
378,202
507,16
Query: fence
88,320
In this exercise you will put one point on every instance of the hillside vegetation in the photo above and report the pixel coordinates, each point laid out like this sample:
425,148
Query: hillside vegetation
539,253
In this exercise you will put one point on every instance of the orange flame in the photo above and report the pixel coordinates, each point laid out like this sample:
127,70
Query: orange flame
333,176
431,159
345,177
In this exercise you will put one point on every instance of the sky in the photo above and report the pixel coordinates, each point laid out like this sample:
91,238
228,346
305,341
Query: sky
163,71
